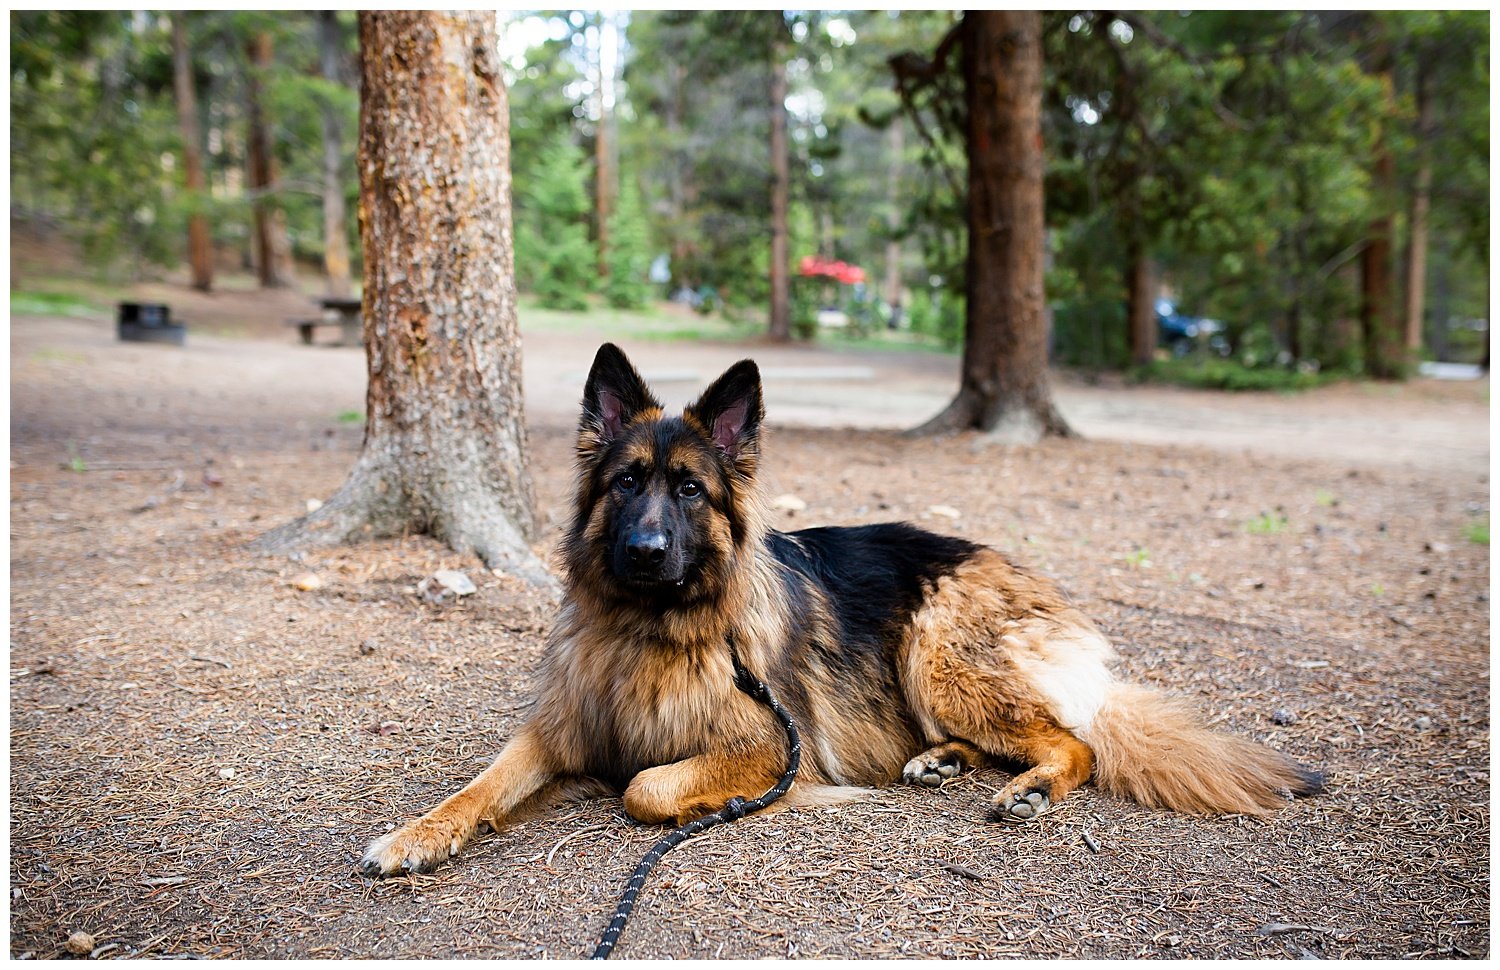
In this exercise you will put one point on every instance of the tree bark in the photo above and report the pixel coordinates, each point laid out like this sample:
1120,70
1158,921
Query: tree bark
1141,306
269,240
1382,342
1004,387
1421,203
781,305
601,158
679,190
335,216
445,449
200,242
895,145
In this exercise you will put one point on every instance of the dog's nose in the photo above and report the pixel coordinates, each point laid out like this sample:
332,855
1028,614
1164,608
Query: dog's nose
647,548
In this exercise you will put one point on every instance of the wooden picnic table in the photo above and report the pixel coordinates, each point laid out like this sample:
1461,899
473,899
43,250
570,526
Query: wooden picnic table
351,323
343,311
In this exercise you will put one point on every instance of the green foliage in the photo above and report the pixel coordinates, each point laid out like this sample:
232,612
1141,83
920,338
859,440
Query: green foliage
629,253
1266,524
542,113
95,143
1219,374
90,122
938,313
551,228
698,81
44,303
1236,151
804,308
1232,149
1087,295
1478,532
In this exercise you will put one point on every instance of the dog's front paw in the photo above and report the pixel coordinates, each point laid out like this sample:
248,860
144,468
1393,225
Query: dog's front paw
419,846
1020,805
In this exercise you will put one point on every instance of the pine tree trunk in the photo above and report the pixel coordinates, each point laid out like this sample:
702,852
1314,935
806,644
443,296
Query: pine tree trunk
335,216
1004,386
781,306
1382,341
1377,328
445,449
269,223
200,242
678,190
1421,203
1141,306
895,145
601,159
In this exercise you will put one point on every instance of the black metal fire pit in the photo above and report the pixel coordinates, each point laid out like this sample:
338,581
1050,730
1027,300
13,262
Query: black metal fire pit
151,323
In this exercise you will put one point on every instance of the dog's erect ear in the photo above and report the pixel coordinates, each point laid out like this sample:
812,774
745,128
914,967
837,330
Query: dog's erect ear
612,396
731,411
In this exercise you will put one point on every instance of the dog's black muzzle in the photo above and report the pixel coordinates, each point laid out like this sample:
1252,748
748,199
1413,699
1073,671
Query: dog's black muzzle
648,557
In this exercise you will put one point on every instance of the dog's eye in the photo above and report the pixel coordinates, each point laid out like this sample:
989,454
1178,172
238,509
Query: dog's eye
625,482
689,489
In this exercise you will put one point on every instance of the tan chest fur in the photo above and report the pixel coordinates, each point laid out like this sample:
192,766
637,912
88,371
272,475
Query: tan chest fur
641,702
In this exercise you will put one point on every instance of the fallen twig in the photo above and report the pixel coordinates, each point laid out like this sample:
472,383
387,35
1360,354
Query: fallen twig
1282,929
571,835
156,500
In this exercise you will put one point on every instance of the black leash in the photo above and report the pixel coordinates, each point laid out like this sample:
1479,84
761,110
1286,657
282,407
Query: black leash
736,808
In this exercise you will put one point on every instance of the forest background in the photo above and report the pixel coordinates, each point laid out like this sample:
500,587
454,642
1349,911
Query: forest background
1314,185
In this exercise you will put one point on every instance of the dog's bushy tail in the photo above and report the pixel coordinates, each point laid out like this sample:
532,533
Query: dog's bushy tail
1156,750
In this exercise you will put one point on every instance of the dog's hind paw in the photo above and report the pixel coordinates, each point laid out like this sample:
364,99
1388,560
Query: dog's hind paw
419,846
935,766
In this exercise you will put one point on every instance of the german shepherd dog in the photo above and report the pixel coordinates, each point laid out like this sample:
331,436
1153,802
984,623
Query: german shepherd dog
899,654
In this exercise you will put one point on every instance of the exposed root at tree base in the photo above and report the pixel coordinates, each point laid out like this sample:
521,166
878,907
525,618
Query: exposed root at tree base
1015,421
361,511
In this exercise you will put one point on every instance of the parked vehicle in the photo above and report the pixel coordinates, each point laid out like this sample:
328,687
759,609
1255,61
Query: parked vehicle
1184,334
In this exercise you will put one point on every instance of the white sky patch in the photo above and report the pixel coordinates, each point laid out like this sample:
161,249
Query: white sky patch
1083,112
841,32
601,44
806,105
519,34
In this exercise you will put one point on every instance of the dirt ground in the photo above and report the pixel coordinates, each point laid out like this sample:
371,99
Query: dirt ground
200,750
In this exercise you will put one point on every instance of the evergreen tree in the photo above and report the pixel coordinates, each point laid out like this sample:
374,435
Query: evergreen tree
552,240
629,253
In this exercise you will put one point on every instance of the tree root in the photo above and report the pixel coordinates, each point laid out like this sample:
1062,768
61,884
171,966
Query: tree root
368,507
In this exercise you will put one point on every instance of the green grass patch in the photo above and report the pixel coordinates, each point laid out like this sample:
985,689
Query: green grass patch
1266,524
1478,532
1327,499
47,303
59,356
664,321
1216,373
350,417
660,322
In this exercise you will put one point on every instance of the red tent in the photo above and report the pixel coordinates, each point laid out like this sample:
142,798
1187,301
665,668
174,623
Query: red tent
834,269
